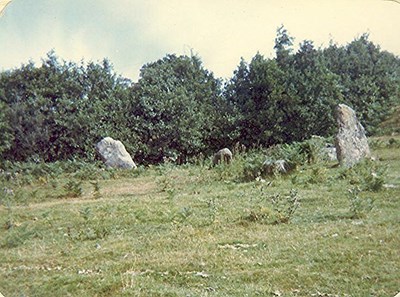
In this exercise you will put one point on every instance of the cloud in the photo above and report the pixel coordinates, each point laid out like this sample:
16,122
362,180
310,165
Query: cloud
134,32
222,31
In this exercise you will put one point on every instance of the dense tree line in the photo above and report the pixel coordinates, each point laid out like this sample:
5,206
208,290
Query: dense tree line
178,109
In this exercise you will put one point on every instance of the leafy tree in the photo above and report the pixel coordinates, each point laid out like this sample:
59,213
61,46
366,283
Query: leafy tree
176,104
6,138
369,78
178,109
283,48
58,110
256,90
317,90
286,99
292,97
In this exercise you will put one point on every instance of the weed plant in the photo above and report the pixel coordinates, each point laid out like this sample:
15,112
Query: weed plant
274,209
73,188
367,175
253,165
96,189
6,199
359,206
167,186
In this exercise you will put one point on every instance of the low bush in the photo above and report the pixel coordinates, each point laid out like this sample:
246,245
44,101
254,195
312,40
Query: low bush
368,175
253,165
384,143
359,206
29,172
310,151
295,155
274,209
73,188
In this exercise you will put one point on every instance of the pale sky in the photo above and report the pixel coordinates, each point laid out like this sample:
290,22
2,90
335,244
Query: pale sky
131,33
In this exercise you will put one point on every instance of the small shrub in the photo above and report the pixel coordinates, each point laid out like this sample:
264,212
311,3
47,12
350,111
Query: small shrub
393,143
96,189
383,143
19,235
86,213
229,172
167,185
212,209
6,198
262,214
73,188
86,171
367,175
291,153
92,228
317,175
185,213
376,143
359,206
278,209
253,166
54,183
285,205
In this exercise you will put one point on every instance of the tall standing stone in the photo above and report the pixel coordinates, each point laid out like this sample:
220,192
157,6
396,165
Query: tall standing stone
114,154
351,142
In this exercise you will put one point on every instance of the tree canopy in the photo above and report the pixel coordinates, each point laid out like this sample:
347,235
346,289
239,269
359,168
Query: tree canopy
178,109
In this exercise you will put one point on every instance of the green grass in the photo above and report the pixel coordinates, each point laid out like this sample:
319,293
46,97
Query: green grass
191,231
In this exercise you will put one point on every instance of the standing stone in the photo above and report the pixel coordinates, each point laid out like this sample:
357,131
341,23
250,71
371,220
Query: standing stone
114,154
351,142
271,167
329,153
224,155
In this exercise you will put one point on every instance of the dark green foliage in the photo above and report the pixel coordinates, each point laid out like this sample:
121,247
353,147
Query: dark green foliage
175,109
369,79
286,99
58,110
292,97
391,126
257,92
73,188
295,155
283,47
178,111
5,129
18,173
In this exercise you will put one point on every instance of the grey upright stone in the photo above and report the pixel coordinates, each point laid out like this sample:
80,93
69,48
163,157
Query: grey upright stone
271,167
351,142
114,154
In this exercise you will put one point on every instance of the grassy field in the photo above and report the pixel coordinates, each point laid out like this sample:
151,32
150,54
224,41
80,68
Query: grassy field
195,231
